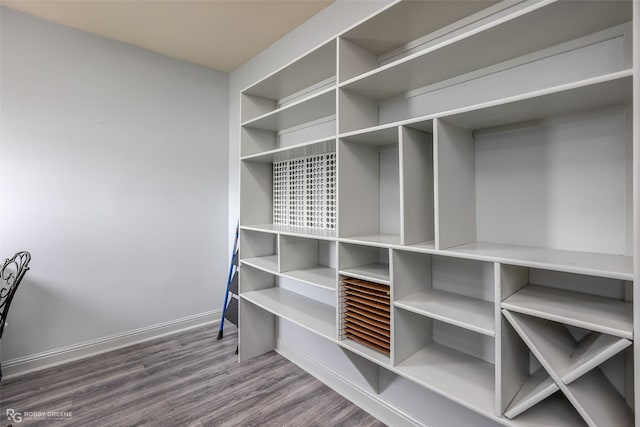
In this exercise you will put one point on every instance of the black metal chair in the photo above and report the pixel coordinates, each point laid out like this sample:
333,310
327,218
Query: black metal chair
11,275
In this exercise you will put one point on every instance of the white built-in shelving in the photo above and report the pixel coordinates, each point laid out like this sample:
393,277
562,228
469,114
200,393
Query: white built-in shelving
476,161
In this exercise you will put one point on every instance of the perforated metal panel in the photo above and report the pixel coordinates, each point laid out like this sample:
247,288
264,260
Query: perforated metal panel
304,192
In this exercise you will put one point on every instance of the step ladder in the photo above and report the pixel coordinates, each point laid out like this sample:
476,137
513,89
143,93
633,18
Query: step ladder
230,306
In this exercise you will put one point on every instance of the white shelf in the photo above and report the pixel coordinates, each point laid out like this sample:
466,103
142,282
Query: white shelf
599,402
292,231
538,387
375,272
585,95
468,313
375,239
308,70
405,22
463,379
305,312
264,263
604,265
319,275
553,411
606,315
366,352
316,106
311,148
508,38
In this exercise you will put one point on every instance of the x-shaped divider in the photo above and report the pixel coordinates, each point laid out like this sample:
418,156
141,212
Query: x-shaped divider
572,367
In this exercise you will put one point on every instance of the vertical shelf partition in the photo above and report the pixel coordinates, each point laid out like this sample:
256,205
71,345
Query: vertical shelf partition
439,202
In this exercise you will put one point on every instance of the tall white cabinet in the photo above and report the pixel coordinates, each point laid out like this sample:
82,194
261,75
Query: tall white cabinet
480,159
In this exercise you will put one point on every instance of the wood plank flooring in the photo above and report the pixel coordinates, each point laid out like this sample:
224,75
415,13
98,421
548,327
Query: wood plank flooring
187,379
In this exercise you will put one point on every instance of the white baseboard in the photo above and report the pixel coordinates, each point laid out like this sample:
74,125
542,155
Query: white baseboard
36,362
371,403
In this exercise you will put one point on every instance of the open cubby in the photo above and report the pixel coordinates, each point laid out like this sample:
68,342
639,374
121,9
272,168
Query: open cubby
452,290
449,360
369,190
259,250
364,262
546,172
311,261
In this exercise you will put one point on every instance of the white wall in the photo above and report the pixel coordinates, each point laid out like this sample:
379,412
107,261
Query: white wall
114,177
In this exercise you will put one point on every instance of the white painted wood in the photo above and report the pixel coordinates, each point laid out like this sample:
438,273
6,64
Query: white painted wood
599,402
353,60
297,253
538,387
256,201
465,312
315,106
366,352
410,334
313,67
286,230
255,278
385,136
318,275
356,111
256,141
554,410
255,244
512,365
358,189
512,279
405,22
305,312
599,314
463,379
304,149
455,185
375,272
604,265
592,351
390,196
411,274
416,186
509,38
256,332
254,106
382,240
268,263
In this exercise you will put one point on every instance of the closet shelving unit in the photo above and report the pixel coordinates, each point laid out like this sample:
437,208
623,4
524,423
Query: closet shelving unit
484,169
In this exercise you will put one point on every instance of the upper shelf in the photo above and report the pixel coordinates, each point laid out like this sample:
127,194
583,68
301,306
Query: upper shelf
316,106
408,21
306,71
497,41
591,94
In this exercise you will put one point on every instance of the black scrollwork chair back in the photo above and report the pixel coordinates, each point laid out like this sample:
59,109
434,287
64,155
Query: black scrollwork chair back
11,274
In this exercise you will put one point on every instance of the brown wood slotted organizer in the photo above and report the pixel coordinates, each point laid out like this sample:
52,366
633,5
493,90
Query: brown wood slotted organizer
366,313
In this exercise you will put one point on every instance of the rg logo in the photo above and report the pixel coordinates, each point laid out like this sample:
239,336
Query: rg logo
14,416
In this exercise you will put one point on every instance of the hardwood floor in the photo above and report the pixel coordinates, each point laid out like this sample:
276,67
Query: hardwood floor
187,379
